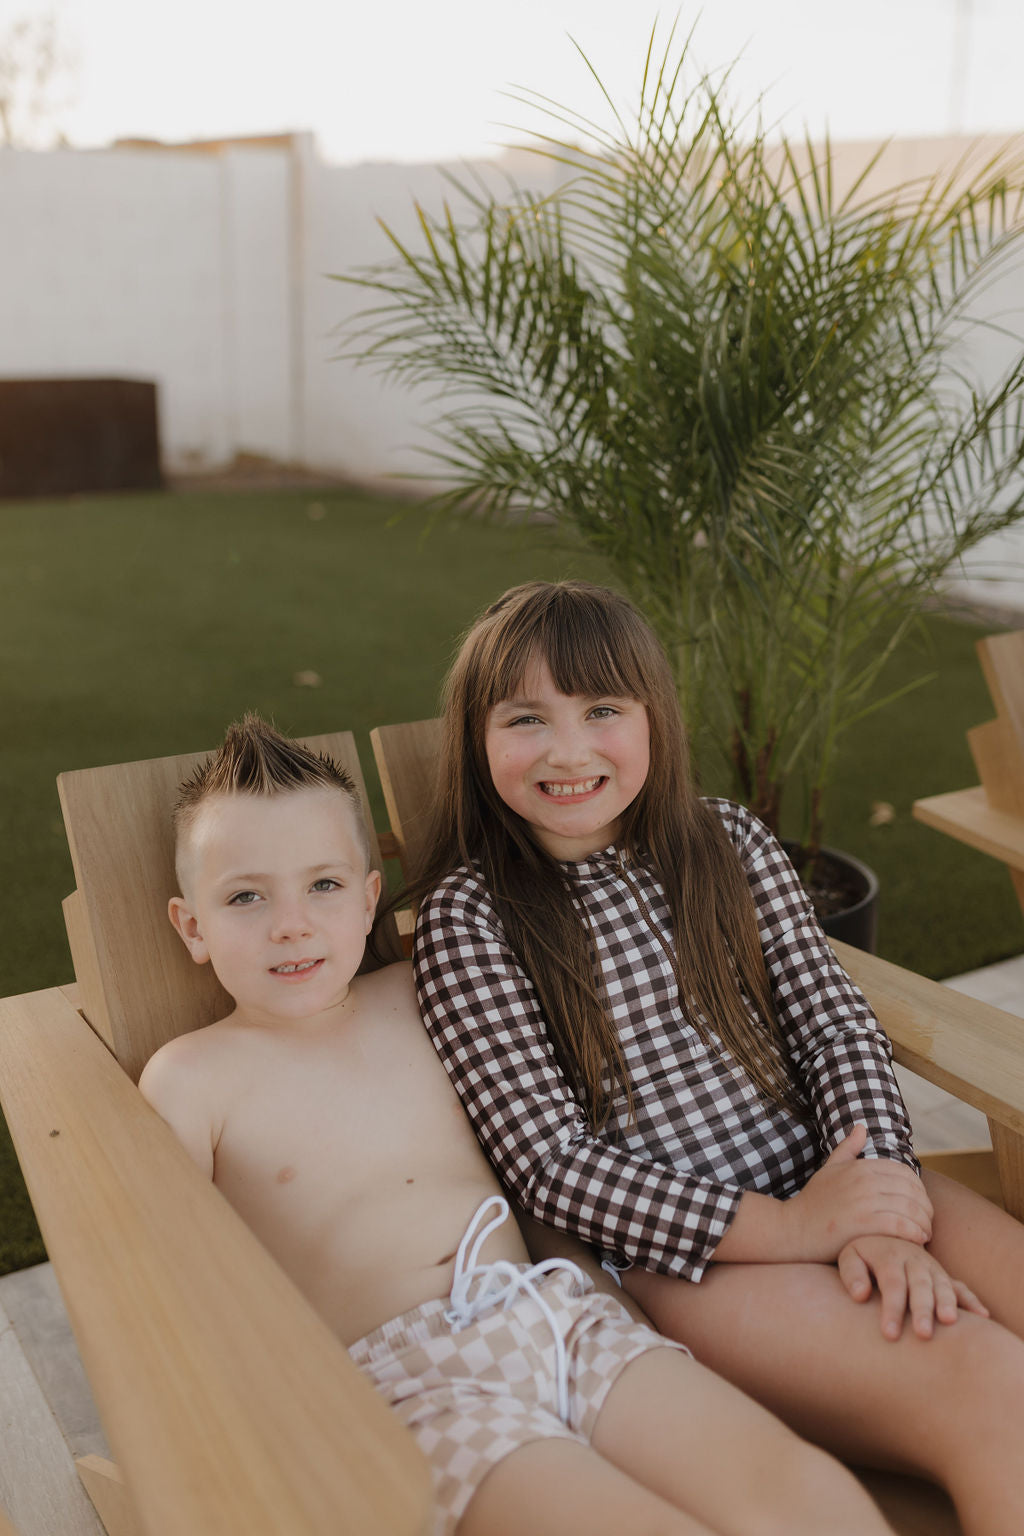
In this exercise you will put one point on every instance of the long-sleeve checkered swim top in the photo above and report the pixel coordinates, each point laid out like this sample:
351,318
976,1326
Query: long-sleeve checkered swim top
659,1192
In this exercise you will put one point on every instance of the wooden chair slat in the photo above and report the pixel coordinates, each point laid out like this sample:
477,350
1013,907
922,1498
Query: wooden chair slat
406,757
991,816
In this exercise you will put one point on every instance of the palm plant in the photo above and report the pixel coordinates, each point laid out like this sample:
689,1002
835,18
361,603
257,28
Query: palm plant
740,387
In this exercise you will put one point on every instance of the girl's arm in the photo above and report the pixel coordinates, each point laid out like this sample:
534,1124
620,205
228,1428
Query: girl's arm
842,1056
484,1017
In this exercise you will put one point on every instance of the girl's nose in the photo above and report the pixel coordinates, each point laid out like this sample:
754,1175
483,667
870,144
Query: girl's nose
568,748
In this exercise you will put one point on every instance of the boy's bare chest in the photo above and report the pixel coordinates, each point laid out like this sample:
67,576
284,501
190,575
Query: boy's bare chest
323,1127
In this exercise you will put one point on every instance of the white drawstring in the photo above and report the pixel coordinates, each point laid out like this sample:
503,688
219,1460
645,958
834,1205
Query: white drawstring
499,1284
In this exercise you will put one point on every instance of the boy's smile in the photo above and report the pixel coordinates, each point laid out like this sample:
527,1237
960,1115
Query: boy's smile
568,764
279,899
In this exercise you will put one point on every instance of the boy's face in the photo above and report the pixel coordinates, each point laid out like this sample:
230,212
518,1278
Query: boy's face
278,898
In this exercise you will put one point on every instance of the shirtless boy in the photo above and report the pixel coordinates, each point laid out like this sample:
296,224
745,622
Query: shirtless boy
320,1109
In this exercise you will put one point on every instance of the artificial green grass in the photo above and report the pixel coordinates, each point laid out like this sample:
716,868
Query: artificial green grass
136,626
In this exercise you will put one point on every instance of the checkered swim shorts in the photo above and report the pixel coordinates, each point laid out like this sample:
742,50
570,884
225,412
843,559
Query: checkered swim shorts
471,1393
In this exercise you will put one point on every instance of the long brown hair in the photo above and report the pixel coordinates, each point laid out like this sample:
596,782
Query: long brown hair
594,643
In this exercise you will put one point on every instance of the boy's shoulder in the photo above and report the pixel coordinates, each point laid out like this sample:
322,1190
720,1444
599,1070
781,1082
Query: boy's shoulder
388,989
190,1053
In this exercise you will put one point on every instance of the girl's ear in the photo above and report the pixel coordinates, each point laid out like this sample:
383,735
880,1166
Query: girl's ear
186,926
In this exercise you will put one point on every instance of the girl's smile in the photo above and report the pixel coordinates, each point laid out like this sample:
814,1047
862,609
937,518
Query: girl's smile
568,764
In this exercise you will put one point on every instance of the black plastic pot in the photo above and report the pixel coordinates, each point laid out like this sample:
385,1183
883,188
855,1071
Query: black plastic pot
857,923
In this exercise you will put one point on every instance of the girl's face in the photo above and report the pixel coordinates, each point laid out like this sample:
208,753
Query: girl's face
569,765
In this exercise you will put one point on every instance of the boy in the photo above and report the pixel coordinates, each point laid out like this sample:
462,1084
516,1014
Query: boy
320,1109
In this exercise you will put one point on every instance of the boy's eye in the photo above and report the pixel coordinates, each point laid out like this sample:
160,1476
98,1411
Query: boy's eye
243,899
326,884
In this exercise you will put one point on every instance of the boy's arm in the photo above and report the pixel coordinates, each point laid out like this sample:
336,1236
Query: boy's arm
171,1083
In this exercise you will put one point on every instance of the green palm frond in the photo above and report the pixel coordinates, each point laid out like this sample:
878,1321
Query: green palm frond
748,391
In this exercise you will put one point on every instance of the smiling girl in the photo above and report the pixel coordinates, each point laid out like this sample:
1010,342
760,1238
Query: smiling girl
660,1054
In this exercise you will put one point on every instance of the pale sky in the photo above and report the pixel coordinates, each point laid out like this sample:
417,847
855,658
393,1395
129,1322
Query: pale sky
423,79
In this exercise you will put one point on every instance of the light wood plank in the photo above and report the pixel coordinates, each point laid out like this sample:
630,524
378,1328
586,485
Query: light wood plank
1009,1155
229,1405
92,994
975,1167
999,758
1002,662
407,762
35,1307
968,815
39,1488
107,1489
6,1528
968,1047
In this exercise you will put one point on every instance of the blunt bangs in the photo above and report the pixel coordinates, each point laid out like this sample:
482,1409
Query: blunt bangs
591,646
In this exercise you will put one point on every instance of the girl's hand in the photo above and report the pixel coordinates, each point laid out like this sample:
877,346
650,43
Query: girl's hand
908,1280
849,1198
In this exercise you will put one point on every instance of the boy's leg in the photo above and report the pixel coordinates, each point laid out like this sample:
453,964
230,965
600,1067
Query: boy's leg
947,1408
674,1449
690,1436
564,1488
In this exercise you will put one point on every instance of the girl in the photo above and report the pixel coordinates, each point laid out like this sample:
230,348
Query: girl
661,1055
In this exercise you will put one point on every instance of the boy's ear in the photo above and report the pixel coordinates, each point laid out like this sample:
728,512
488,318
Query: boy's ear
372,896
186,926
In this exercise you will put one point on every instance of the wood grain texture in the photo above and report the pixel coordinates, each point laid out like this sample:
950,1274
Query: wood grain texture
969,816
1009,1155
407,762
963,1045
92,999
1002,662
107,1489
229,1405
119,832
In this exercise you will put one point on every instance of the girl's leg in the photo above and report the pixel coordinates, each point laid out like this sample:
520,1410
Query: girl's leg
674,1449
947,1408
976,1242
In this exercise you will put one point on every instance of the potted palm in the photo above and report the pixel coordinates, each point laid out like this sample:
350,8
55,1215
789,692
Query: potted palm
743,389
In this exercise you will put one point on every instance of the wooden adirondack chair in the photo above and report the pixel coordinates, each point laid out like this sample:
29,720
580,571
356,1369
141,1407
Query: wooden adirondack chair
991,815
965,1047
229,1405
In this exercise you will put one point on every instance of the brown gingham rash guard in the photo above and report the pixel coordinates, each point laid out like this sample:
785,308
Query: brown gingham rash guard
662,1192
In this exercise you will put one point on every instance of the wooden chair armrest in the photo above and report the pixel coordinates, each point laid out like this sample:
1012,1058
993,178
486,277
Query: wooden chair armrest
229,1404
968,815
967,1047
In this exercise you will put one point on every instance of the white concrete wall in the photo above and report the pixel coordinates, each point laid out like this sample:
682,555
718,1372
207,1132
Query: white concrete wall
208,270
113,264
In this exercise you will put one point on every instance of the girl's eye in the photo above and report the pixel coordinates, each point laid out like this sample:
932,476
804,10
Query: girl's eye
603,712
523,720
326,884
243,899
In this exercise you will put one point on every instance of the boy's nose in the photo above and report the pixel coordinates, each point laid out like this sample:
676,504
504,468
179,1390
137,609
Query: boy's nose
291,922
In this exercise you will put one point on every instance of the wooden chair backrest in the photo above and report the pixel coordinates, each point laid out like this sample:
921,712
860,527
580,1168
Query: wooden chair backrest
407,757
998,745
137,984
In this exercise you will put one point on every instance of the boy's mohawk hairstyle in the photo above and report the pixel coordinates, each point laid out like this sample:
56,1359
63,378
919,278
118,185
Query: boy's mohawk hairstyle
255,759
